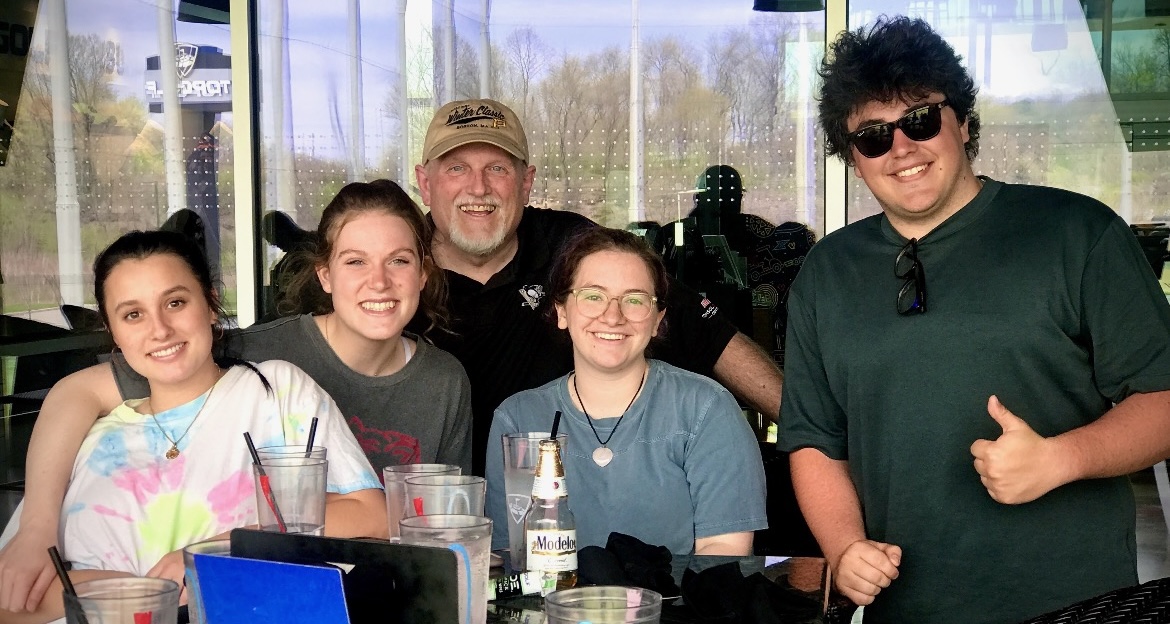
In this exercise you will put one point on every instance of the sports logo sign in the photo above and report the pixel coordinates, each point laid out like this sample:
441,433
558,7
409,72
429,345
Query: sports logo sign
185,54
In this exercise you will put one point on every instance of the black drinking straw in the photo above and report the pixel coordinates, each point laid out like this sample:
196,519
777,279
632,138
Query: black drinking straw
66,582
253,453
265,486
556,425
312,436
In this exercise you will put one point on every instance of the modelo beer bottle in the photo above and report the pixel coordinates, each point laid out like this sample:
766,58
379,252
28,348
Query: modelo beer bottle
550,533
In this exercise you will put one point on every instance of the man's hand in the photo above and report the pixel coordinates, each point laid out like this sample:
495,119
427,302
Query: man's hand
1019,466
25,569
866,568
171,567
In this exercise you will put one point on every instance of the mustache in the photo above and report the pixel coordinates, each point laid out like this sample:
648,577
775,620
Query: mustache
464,199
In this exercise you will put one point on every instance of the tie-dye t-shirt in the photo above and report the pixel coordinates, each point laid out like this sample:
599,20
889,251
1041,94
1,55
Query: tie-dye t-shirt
128,505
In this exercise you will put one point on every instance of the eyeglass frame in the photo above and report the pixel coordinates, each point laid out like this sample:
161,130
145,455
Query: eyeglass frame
914,275
933,111
653,302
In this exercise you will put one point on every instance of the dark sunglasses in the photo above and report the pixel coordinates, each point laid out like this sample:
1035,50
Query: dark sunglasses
907,267
920,124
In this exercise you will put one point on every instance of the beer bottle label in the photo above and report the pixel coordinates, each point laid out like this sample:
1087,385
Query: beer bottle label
548,487
552,551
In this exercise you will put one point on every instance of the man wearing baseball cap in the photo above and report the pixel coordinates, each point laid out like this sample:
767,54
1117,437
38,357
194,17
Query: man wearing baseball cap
497,252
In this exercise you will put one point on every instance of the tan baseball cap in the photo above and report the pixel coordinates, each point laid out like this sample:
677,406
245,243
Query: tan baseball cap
474,121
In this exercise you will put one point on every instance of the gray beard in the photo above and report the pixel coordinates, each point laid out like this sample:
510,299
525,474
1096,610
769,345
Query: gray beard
477,247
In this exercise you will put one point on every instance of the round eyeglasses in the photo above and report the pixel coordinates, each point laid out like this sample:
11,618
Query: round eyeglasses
635,306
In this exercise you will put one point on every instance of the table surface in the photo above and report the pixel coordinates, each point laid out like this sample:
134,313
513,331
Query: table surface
805,576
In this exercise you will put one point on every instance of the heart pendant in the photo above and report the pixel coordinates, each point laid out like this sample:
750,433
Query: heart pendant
602,456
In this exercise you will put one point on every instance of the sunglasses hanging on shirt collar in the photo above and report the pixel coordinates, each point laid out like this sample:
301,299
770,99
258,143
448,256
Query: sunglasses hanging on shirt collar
907,267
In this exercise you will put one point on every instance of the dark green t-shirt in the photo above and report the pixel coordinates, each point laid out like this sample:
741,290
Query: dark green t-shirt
1039,296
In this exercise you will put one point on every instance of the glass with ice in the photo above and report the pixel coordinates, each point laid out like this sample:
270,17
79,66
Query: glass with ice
521,453
471,539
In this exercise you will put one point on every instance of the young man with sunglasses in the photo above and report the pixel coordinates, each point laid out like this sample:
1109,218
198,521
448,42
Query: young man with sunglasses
962,456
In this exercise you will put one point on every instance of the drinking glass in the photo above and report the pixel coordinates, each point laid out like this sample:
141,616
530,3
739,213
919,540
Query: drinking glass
290,494
603,605
521,454
219,547
394,477
126,600
471,539
445,494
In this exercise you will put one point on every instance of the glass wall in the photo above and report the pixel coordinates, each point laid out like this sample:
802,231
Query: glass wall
96,150
719,85
345,90
625,106
1050,114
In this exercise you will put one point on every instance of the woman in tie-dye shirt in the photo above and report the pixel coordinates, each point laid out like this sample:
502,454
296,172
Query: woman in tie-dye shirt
160,473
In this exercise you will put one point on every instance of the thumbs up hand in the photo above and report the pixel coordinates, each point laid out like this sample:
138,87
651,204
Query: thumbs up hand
1019,466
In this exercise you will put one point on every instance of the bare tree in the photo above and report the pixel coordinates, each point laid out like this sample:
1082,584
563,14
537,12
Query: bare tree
526,57
610,99
1162,45
670,67
466,70
562,95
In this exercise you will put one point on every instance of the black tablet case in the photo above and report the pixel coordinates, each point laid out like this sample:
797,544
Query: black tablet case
389,583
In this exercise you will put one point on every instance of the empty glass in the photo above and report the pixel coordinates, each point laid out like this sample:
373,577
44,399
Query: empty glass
394,477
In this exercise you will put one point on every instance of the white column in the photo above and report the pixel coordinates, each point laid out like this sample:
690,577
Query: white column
836,173
69,266
281,163
243,141
172,115
637,134
805,203
404,167
357,130
485,51
448,51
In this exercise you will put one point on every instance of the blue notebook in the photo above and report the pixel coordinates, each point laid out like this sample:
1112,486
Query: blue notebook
384,582
251,591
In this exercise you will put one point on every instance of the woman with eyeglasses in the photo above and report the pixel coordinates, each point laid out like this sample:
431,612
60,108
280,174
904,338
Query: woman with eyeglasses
653,451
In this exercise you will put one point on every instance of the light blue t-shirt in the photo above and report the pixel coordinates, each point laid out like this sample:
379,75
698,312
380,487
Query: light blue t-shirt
685,463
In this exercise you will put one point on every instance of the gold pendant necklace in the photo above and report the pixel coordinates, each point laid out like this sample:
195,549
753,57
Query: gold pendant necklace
174,452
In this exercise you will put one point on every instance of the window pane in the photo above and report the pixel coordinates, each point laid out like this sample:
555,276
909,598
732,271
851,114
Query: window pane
329,107
1048,116
89,152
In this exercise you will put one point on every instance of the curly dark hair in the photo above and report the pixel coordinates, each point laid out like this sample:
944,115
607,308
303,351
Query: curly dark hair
898,58
303,290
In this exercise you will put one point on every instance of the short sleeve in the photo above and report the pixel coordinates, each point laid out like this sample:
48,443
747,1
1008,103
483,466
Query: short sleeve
300,400
809,415
724,471
455,446
696,331
1126,316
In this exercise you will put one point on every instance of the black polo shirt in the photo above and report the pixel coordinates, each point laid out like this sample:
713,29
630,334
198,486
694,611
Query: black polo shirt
506,343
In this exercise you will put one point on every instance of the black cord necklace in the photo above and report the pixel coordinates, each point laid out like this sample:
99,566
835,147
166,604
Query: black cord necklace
602,455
